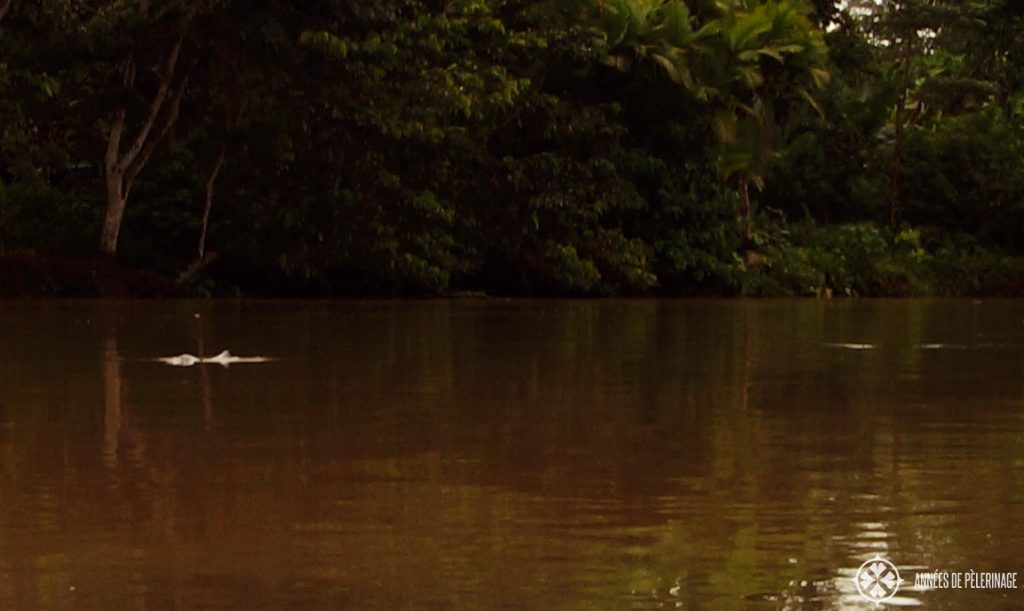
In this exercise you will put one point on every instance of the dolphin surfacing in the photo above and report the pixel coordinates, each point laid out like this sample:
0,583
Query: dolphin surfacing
223,359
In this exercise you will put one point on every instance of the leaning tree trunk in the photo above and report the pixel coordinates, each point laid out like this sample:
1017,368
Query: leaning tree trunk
234,110
209,199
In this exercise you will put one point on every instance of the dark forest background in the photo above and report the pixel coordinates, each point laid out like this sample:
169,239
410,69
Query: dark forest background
576,147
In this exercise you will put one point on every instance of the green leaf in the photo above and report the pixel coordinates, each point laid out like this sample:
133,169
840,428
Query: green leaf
325,42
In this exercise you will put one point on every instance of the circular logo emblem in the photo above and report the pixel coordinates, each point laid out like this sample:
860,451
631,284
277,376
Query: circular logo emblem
877,580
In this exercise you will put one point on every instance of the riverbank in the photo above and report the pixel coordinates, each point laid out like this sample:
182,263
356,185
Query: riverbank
836,262
867,260
37,276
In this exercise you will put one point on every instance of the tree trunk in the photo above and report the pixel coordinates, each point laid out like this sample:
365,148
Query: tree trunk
209,200
897,155
897,164
116,196
116,200
5,6
121,168
744,188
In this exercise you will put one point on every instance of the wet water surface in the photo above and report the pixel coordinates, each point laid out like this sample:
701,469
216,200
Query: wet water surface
507,455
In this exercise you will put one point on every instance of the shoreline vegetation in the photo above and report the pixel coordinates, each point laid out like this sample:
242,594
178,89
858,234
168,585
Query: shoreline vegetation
944,274
418,148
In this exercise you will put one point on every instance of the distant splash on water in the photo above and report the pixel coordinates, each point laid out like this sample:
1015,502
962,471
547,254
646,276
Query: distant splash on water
851,346
223,359
931,346
941,346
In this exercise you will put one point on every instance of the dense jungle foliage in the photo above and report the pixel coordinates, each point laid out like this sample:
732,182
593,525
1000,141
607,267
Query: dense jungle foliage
584,147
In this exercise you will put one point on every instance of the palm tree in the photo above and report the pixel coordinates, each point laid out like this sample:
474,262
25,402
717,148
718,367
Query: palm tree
745,56
760,39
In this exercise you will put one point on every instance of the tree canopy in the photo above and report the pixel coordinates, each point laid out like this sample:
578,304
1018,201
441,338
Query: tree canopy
592,147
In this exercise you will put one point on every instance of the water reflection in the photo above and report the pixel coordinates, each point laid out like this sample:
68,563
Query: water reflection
111,400
504,454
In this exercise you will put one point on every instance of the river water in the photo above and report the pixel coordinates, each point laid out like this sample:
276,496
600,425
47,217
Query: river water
508,454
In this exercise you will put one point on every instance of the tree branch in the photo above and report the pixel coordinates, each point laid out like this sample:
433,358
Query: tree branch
166,79
129,74
133,168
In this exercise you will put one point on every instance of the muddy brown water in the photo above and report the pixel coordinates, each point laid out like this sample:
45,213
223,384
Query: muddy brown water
507,454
